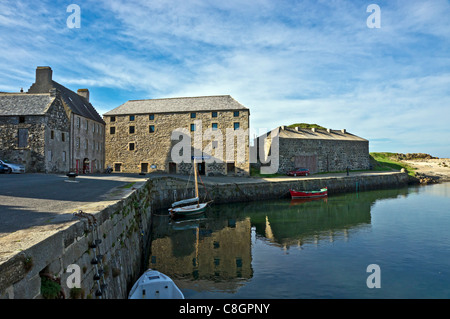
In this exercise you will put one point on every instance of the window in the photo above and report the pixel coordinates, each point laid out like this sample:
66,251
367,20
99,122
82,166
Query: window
151,117
131,129
63,156
193,115
63,137
112,119
52,134
78,122
151,129
21,119
86,144
214,126
131,117
87,125
192,127
236,126
23,137
236,113
78,142
131,146
49,156
213,114
112,130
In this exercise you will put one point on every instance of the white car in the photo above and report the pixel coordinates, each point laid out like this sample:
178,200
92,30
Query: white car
15,168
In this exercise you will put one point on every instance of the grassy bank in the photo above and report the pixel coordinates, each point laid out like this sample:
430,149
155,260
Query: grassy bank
385,161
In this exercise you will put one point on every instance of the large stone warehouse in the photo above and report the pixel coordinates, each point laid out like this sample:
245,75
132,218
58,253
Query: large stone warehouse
139,135
319,150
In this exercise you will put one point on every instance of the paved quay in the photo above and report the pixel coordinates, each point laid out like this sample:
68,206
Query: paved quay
35,206
32,200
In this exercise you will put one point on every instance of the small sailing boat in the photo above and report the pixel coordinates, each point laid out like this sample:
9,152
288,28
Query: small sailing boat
178,208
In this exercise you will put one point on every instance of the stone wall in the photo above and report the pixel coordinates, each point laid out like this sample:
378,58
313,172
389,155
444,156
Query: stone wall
330,155
123,228
137,149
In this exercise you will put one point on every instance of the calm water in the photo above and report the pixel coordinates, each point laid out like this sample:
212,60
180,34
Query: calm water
283,249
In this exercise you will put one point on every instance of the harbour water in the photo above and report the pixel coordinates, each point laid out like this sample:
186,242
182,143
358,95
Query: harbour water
285,249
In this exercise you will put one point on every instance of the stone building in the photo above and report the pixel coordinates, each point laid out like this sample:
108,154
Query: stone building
86,127
317,149
165,134
34,131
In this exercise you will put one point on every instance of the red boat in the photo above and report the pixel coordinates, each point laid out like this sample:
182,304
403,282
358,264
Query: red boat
309,194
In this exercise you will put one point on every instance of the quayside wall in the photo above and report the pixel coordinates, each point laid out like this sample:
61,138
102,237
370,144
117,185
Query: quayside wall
124,230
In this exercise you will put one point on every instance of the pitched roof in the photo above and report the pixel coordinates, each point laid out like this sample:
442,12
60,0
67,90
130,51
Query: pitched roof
24,104
78,104
318,134
178,104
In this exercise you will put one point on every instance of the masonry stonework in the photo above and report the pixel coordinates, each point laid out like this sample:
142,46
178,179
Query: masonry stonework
143,142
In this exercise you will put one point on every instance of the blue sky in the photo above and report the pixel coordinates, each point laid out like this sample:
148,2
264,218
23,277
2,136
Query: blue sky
288,61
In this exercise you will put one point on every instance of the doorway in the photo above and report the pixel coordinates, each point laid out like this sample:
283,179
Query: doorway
201,167
86,166
172,168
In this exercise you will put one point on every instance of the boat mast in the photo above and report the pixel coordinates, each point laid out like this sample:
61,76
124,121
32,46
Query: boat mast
196,183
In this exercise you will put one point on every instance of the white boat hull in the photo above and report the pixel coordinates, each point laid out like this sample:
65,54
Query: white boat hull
155,285
189,210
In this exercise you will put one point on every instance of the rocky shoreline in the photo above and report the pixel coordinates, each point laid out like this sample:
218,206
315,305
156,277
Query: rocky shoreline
430,170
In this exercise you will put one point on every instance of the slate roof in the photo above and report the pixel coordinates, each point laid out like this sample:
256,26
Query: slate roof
178,104
318,134
24,104
78,104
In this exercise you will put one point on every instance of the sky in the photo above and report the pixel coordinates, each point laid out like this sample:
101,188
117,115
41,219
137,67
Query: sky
381,74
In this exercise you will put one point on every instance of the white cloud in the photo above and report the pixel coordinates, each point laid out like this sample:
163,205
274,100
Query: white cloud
303,61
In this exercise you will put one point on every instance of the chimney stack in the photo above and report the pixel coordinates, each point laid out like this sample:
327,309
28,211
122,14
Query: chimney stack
44,81
44,75
344,130
84,93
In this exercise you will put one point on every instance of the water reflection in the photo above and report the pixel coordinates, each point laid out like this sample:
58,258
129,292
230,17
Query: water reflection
213,252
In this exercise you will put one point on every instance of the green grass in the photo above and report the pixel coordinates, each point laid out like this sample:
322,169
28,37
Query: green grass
306,125
256,173
128,185
385,161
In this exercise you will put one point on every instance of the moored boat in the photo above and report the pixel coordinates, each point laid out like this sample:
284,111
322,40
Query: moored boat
155,285
182,209
309,194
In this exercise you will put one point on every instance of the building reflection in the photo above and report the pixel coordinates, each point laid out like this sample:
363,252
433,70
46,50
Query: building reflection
216,254
214,251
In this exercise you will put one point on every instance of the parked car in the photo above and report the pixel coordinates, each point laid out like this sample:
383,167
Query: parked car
299,172
5,169
15,168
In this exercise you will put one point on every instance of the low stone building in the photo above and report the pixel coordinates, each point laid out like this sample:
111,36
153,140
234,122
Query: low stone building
51,128
316,149
165,134
87,129
34,131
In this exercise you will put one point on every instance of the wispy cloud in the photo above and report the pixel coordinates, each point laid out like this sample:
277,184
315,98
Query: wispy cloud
289,61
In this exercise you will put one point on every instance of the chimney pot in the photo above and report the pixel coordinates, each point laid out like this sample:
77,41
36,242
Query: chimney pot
297,128
328,130
344,130
313,129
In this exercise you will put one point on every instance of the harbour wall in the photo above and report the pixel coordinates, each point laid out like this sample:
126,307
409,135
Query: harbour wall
166,190
124,230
